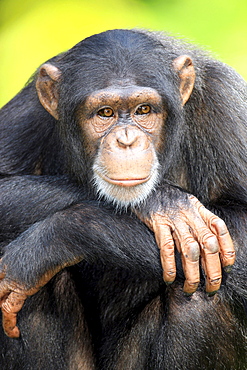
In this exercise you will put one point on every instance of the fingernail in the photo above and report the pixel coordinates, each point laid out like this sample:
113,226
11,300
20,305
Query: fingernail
211,294
168,283
188,294
227,269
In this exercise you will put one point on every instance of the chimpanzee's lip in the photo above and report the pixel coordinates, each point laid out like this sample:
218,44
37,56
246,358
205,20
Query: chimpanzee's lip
126,182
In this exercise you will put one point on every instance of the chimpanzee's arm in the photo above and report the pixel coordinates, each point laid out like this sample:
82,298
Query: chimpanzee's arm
44,209
25,200
83,231
170,213
39,211
63,231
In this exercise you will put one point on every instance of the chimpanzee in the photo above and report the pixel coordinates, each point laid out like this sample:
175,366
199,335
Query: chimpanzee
112,147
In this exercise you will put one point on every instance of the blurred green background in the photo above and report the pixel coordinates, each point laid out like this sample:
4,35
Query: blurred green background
32,31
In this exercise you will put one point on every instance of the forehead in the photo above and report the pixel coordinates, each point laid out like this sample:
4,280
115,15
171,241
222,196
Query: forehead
123,93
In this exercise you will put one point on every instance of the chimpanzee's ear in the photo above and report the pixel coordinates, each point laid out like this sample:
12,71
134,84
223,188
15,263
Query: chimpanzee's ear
183,65
46,86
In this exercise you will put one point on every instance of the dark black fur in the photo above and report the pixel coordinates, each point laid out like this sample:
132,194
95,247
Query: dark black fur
113,309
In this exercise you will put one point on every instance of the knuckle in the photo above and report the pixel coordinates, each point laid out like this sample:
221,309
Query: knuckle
167,245
230,254
194,252
219,225
193,284
190,286
170,273
169,276
166,255
196,203
210,242
228,258
215,281
7,307
193,199
188,241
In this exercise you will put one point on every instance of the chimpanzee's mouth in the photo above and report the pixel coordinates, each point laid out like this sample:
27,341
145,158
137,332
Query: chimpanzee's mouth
126,182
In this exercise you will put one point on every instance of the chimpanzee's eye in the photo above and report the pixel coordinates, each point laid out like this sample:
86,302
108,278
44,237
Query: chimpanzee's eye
105,112
143,109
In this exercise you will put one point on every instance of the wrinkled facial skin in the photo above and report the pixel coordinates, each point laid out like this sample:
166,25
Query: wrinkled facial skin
122,128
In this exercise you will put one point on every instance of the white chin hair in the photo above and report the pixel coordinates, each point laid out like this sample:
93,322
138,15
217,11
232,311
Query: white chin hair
121,196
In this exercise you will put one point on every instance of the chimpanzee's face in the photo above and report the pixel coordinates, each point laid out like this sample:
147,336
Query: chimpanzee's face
122,127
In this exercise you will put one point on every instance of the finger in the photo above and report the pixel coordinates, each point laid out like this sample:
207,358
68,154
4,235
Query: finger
190,253
211,262
227,252
210,254
191,268
3,297
10,308
192,276
190,261
4,292
9,324
166,245
219,228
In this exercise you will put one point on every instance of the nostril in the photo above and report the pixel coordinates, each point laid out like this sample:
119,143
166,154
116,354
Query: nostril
127,138
125,141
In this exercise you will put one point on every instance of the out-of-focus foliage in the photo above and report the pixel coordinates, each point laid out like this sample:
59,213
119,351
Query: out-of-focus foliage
32,31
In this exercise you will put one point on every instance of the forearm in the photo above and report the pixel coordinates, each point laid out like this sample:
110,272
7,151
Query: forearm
25,200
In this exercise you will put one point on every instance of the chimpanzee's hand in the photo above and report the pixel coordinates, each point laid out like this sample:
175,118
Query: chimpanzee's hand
12,298
196,232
